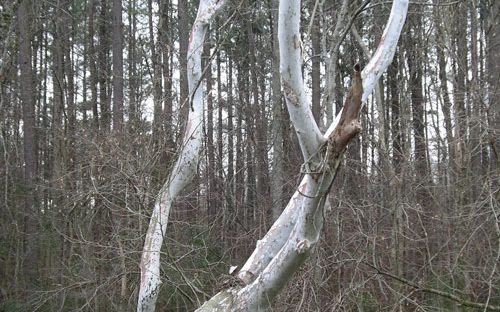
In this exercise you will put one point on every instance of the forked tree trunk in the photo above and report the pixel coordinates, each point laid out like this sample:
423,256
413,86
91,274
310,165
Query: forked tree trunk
30,162
290,240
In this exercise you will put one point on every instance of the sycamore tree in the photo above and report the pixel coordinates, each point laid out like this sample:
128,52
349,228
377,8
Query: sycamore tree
296,232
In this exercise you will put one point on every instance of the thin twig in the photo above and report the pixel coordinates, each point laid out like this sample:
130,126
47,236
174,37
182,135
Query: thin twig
444,294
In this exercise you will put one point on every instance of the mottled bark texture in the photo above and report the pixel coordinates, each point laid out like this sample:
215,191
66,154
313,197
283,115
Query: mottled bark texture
185,167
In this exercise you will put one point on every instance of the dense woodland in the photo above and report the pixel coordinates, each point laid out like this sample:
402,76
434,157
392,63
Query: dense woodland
93,104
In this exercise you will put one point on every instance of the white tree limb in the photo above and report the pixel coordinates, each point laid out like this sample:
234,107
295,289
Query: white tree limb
185,167
308,133
382,57
279,254
279,233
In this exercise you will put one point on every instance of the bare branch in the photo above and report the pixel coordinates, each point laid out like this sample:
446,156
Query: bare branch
444,294
382,57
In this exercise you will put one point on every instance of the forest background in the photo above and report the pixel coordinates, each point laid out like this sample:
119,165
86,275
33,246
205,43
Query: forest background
93,100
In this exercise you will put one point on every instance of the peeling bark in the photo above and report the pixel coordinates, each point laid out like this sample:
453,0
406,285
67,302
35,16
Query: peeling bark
296,232
289,241
310,137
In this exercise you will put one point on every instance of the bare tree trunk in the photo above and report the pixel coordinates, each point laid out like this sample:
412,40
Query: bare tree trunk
315,61
478,131
93,65
296,232
30,264
183,28
493,72
240,157
71,107
185,167
104,66
446,107
117,66
219,169
259,138
331,74
133,111
460,68
277,176
157,80
57,132
230,191
413,60
211,189
164,38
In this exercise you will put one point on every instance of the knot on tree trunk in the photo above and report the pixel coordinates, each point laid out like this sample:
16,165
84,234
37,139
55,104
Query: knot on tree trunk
303,246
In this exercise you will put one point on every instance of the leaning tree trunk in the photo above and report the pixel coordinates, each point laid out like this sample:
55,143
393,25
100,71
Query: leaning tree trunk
292,237
185,167
296,232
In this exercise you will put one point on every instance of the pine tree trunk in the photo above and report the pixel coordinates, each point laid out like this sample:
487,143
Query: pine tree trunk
31,252
117,66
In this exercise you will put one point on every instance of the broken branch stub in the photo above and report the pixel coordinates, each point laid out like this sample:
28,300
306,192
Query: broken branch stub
349,124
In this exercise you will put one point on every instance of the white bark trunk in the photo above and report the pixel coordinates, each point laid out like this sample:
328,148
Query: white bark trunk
290,46
289,241
297,230
185,167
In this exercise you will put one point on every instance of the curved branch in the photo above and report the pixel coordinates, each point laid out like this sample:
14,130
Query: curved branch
386,48
186,165
384,54
308,133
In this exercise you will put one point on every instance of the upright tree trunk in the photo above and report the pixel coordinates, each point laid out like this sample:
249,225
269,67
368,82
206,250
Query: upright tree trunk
164,35
157,80
414,57
93,65
260,138
133,111
460,68
69,135
331,95
219,169
315,60
183,29
70,99
57,132
476,146
397,163
240,157
493,74
277,176
104,66
443,79
117,66
230,190
209,124
30,213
